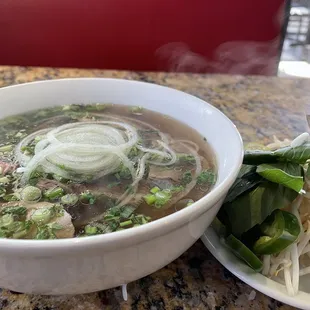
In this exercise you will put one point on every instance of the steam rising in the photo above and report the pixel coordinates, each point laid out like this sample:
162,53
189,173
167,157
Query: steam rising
234,57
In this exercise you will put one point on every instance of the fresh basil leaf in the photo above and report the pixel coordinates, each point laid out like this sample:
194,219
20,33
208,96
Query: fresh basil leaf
286,174
246,170
253,207
246,180
257,157
298,155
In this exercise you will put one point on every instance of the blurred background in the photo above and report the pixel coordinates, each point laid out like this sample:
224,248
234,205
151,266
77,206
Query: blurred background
267,37
295,56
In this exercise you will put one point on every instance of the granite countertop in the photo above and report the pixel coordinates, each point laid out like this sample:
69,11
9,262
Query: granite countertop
260,107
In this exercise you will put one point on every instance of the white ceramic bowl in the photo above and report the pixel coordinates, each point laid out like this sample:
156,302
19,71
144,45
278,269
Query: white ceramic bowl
81,265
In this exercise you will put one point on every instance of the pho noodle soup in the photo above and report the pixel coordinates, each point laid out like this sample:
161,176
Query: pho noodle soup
82,170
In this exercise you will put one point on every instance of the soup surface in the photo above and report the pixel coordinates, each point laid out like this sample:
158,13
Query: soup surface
81,170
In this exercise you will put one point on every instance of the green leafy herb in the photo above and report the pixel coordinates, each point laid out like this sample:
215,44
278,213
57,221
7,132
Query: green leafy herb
186,178
298,155
186,159
286,174
11,197
252,208
206,177
14,210
45,232
176,189
11,228
247,179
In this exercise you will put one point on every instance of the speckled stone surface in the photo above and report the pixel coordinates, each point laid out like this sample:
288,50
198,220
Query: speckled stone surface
260,107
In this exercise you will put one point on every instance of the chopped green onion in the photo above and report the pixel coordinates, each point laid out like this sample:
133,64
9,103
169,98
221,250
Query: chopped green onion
28,150
126,211
126,223
6,220
149,199
30,193
69,199
54,193
162,198
87,197
154,190
143,220
90,230
42,215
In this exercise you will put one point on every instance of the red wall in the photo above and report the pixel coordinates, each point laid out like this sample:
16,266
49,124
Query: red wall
237,36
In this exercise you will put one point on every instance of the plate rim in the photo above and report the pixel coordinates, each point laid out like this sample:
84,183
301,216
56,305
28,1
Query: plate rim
257,281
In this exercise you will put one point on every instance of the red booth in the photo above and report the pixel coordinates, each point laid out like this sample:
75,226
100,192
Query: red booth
223,36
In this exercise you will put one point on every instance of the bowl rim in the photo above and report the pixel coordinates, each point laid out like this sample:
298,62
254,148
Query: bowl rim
178,217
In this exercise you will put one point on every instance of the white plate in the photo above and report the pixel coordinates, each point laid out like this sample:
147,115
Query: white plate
256,280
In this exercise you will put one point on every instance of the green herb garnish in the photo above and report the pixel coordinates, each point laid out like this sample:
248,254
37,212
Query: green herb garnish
87,197
206,177
53,193
186,178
